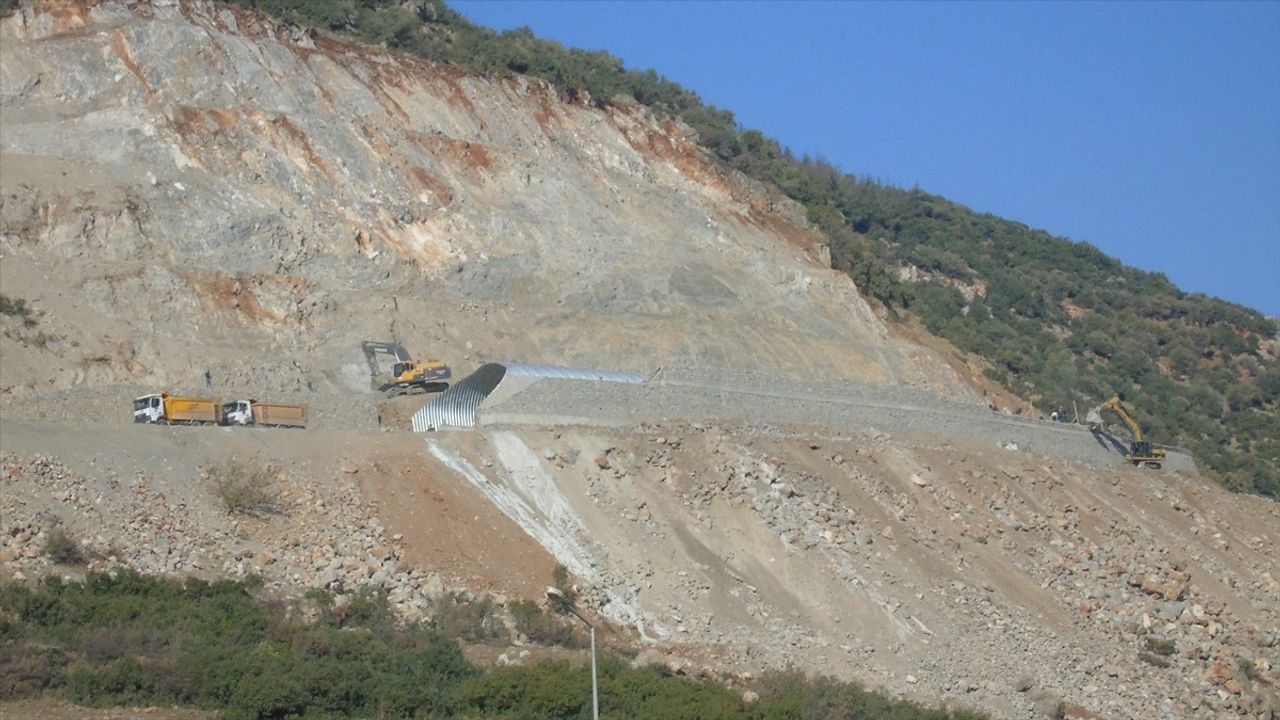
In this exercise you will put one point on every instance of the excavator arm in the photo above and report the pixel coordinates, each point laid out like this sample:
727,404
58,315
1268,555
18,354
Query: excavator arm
1115,406
1141,453
403,374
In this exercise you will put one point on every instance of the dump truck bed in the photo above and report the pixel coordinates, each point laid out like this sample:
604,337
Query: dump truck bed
189,409
275,414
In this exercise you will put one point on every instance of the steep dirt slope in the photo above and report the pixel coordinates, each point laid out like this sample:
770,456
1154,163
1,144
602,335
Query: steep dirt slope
189,187
922,565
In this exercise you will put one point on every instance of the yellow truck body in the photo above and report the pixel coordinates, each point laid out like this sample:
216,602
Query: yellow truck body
190,409
167,409
274,414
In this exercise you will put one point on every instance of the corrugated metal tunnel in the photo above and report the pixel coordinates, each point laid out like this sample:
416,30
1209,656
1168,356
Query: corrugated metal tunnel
456,407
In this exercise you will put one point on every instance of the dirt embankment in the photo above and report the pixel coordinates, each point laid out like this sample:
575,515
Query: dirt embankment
936,568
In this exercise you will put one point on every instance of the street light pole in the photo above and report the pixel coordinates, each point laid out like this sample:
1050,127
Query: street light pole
595,687
558,596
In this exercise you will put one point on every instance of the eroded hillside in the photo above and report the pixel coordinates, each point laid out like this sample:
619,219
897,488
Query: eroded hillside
191,187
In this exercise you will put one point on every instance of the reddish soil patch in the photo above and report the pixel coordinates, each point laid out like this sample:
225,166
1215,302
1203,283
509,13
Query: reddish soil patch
545,115
300,140
457,96
773,224
199,121
461,153
432,184
67,16
239,294
970,368
666,145
120,47
451,528
120,356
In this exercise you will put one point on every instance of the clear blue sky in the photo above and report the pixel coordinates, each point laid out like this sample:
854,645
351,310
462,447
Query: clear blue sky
1149,129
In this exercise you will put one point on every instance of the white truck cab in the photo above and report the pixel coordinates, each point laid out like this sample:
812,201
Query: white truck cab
148,409
238,412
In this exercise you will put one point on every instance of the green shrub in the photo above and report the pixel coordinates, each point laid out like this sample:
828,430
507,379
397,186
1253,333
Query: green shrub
17,307
13,306
245,488
63,549
1155,660
543,627
27,670
476,620
366,609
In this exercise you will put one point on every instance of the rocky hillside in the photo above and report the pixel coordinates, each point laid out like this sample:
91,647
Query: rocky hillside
190,187
1057,322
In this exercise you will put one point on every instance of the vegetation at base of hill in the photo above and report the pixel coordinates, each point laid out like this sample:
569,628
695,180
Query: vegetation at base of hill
134,640
1060,323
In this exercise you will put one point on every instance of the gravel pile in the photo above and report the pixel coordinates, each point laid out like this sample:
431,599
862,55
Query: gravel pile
317,536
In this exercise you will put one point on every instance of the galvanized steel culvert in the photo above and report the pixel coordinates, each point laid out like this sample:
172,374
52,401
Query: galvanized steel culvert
456,407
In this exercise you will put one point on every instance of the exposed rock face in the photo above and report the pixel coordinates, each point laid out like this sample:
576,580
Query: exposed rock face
214,190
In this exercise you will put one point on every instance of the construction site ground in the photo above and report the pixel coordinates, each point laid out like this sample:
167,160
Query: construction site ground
935,567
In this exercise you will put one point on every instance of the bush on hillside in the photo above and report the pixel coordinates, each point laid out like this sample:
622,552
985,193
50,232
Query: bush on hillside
245,488
63,549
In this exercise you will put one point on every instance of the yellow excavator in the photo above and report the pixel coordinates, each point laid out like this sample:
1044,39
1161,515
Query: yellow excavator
406,374
1141,453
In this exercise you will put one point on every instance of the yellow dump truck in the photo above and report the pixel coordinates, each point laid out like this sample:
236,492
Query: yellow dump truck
255,412
167,409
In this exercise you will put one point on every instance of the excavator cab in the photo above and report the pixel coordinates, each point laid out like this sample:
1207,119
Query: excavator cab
1140,449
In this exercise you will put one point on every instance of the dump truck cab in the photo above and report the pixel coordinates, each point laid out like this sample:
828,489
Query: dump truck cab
237,412
264,414
149,409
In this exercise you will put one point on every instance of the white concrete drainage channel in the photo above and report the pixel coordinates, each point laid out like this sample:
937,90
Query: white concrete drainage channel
456,407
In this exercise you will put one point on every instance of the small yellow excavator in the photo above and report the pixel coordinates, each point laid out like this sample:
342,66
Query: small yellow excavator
406,374
1141,453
